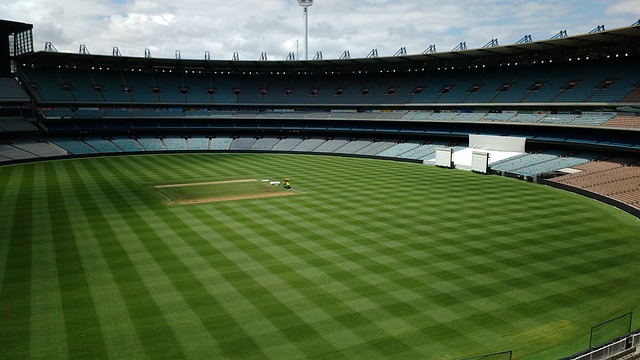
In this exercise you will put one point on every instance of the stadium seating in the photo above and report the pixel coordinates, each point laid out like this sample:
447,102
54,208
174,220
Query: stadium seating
398,149
286,144
38,148
624,121
220,143
13,153
308,145
422,152
264,144
44,84
73,146
152,144
243,144
126,144
16,124
539,163
169,87
102,145
615,178
579,81
330,145
589,119
198,143
80,85
374,148
174,143
11,91
353,146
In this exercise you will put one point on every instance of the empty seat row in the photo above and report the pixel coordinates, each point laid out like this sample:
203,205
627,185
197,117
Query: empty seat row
595,81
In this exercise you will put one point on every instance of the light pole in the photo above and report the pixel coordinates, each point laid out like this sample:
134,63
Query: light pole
305,6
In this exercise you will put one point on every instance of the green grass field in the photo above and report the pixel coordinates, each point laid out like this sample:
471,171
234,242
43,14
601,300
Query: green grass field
372,259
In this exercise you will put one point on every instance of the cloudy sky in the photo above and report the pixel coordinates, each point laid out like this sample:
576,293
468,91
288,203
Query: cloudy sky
251,27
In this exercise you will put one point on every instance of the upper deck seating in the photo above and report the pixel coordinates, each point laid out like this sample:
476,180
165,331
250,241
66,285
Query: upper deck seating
578,81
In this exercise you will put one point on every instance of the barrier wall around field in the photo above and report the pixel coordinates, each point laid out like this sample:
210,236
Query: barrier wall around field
626,347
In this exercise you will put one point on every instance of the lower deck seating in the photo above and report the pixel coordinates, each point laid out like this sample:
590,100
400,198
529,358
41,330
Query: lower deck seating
39,148
422,152
152,144
375,148
198,143
175,143
102,145
13,153
533,164
353,146
264,144
286,144
616,178
220,143
74,146
398,149
330,146
307,145
126,144
242,144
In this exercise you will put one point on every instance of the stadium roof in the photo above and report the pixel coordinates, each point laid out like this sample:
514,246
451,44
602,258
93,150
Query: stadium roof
8,27
594,45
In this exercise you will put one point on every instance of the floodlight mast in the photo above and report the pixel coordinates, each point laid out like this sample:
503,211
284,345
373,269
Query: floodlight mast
305,6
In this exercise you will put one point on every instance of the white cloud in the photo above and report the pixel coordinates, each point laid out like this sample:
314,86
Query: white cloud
624,7
275,26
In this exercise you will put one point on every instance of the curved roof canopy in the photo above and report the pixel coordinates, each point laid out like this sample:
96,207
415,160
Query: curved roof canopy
594,45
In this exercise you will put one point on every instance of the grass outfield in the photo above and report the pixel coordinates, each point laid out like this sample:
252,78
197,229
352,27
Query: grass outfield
373,259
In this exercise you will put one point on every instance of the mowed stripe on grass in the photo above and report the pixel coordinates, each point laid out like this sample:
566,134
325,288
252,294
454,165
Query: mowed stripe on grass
373,259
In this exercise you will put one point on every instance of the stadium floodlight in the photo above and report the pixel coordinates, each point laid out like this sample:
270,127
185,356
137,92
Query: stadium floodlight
462,46
430,50
492,43
560,35
305,12
401,52
83,50
48,47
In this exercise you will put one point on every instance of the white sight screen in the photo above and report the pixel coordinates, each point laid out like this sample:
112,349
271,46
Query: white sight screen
443,157
480,161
